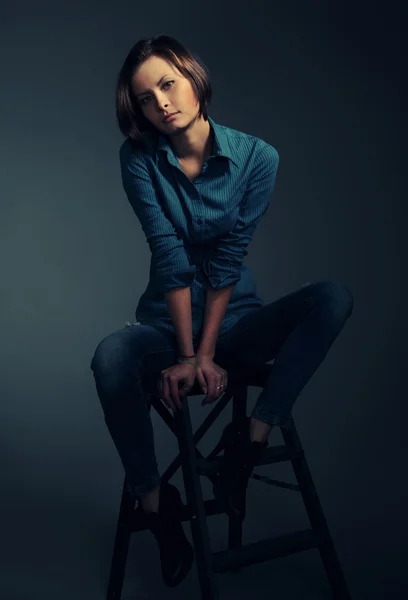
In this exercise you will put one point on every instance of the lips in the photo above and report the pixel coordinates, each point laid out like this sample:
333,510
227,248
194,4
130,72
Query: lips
169,117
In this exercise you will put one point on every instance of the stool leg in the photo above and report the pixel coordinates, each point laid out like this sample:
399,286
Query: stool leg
121,547
194,496
239,410
315,512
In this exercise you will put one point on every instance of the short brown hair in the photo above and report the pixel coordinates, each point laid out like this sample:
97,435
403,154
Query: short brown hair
130,118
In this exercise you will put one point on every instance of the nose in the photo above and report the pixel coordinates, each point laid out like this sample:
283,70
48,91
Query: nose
161,103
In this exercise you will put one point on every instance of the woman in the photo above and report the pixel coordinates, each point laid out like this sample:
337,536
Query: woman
199,190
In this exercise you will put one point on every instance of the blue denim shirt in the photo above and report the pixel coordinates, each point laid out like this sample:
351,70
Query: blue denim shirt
198,231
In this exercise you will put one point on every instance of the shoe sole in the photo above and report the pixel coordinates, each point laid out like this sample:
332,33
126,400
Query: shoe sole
183,569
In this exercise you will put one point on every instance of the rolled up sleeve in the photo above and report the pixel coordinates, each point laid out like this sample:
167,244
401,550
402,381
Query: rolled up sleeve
223,265
170,265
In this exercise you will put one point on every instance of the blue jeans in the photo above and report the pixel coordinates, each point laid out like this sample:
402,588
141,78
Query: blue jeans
296,331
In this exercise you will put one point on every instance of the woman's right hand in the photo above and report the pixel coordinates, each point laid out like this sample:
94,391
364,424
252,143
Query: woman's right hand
172,379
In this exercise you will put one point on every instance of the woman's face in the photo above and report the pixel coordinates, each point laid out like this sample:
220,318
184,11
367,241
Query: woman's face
161,89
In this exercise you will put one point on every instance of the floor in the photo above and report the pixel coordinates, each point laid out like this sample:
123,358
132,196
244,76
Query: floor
70,558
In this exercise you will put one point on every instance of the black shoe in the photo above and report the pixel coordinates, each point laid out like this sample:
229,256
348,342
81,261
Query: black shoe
240,457
176,552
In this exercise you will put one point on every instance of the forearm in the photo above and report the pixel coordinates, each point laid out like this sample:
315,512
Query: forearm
215,307
179,306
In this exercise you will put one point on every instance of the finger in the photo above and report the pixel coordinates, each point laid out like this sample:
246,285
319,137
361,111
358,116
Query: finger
212,393
184,392
174,392
208,394
201,380
208,399
168,403
166,394
219,389
188,383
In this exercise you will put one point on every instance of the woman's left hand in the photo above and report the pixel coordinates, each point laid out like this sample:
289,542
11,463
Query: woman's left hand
212,377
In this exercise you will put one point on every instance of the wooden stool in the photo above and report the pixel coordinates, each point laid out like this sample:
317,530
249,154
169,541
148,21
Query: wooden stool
194,465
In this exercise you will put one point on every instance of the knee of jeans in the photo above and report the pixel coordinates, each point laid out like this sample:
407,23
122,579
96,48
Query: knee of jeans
338,297
110,357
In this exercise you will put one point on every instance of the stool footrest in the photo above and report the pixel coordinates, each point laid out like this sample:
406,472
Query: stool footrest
271,455
275,482
264,550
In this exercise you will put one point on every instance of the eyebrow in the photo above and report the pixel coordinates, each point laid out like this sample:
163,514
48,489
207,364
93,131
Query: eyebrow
141,93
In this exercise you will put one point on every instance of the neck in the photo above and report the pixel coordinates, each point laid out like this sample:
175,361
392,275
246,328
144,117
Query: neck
195,143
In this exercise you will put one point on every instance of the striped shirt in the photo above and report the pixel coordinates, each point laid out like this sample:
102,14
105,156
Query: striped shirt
198,231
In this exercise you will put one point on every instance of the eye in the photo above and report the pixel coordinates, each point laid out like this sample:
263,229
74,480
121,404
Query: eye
142,102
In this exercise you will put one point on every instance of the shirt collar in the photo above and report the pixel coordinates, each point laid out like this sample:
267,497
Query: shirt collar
221,145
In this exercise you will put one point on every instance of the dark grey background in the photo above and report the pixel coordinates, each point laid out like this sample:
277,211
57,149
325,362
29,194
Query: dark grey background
320,81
